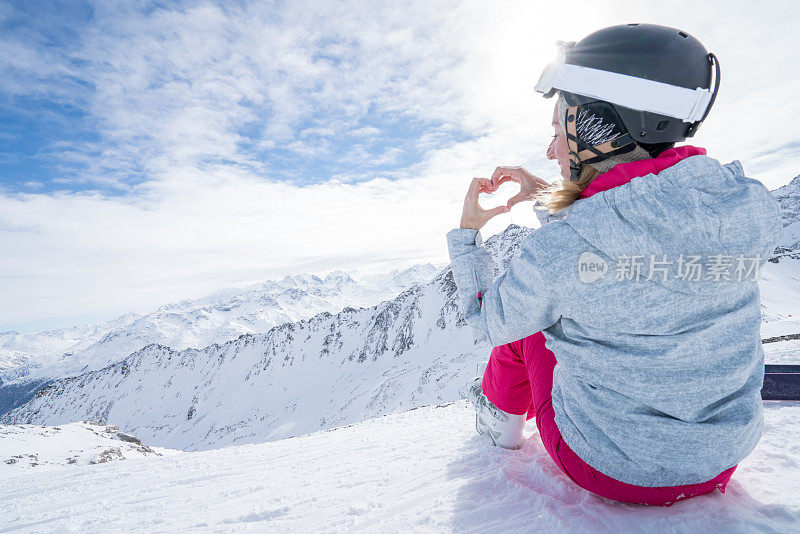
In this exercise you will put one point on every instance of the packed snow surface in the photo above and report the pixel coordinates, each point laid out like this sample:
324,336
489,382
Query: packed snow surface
424,470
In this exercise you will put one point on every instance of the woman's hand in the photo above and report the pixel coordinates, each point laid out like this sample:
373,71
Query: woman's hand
530,184
473,215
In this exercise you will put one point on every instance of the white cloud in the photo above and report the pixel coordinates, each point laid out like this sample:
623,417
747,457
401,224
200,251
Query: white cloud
174,90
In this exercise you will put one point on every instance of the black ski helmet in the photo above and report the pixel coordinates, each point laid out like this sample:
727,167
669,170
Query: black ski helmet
652,83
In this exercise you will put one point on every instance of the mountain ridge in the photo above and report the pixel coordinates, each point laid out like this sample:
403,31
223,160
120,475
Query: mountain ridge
196,323
441,347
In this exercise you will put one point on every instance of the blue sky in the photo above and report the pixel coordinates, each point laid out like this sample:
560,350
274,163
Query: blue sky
154,151
54,141
34,122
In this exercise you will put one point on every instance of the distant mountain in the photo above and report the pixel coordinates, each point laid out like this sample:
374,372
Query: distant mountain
321,372
28,360
789,199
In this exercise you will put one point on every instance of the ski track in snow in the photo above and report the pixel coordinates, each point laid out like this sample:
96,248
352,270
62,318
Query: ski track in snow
424,470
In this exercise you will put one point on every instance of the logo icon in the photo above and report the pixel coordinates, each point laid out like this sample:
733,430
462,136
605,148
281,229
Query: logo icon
591,267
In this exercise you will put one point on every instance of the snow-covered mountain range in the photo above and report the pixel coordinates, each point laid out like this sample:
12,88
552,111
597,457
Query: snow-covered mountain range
27,360
298,377
789,198
323,371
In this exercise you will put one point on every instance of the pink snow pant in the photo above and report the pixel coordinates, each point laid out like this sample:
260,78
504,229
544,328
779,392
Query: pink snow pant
519,379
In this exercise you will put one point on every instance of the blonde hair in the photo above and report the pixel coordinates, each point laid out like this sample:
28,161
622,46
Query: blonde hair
563,193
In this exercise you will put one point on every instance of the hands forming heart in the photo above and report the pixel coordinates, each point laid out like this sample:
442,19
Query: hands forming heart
476,217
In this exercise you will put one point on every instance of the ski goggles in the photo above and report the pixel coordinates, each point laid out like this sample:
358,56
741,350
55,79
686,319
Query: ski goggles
689,105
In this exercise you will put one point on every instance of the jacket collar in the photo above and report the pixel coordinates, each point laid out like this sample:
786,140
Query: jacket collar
624,172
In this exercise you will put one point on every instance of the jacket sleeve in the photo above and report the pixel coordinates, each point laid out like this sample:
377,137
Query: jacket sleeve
544,215
519,303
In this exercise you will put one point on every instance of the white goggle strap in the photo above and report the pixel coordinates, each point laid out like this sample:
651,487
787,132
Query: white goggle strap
629,91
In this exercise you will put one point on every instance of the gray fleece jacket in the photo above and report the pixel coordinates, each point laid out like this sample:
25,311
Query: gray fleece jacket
647,295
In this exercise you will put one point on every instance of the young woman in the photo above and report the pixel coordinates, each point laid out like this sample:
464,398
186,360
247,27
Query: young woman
629,326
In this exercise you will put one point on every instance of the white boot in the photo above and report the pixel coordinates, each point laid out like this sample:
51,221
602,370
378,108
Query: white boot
505,429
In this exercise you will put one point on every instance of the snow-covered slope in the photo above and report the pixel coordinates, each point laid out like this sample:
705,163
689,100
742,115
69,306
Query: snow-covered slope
780,285
424,470
33,358
780,297
24,447
297,378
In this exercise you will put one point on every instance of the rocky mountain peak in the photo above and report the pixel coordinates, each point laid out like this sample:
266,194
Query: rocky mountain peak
788,197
